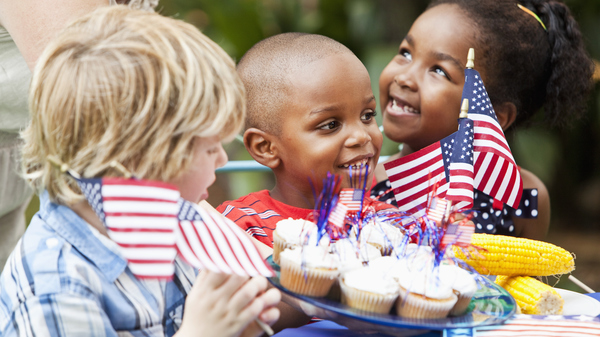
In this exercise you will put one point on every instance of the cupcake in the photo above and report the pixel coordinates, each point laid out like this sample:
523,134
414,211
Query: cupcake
390,266
291,233
381,235
422,295
368,289
462,283
351,256
308,270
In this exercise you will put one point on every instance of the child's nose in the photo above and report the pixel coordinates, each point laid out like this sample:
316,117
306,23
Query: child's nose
406,80
221,157
359,136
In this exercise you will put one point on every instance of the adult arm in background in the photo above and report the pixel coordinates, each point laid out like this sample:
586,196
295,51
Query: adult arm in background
33,23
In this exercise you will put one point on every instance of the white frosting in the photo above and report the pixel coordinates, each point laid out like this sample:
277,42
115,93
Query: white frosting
382,234
296,232
352,256
425,282
457,278
419,257
311,257
372,280
390,266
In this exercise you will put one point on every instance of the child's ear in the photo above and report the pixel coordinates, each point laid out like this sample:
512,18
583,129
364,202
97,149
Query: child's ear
261,147
506,113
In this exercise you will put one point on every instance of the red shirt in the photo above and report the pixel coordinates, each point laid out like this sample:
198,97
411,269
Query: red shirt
258,214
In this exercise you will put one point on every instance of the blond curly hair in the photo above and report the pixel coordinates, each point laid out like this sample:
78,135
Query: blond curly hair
128,86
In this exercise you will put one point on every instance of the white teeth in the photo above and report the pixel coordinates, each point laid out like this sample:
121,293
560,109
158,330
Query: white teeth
405,109
357,165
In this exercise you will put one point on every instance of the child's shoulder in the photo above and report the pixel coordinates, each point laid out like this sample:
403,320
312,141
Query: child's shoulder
47,263
248,200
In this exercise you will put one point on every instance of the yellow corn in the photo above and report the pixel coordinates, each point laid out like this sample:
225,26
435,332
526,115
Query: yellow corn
507,255
533,297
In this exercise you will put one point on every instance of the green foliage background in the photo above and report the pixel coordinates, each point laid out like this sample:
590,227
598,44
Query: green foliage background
568,161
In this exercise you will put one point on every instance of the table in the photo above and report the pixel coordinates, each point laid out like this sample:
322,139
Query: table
328,329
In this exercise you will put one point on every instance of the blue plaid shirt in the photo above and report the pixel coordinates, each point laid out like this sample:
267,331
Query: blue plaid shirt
65,279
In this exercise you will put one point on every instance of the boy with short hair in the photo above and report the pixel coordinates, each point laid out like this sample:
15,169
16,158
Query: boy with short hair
311,110
155,95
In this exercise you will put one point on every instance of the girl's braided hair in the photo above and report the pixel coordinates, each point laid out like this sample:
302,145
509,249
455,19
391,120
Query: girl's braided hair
527,65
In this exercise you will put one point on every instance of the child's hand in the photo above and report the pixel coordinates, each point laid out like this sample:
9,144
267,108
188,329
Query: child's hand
227,305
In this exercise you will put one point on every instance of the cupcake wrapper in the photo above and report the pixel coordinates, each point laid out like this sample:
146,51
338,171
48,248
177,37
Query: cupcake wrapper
279,245
367,301
461,304
310,282
418,306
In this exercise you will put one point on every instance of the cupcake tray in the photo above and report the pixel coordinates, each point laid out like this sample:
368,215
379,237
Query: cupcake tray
490,305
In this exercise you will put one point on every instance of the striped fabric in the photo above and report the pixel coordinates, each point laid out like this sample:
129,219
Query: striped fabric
258,214
210,241
338,216
352,198
66,279
496,173
151,224
141,217
538,326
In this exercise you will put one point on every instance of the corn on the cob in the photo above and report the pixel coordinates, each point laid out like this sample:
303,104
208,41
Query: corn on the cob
506,255
532,296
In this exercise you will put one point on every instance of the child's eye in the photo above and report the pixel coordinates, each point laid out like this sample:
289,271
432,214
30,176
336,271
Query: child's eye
330,125
213,150
369,116
441,72
406,54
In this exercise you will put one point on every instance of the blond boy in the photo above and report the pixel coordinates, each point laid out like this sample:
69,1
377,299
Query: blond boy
156,96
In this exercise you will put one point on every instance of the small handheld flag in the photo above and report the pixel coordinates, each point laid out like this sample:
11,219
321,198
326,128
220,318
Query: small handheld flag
352,198
460,189
496,173
151,223
494,169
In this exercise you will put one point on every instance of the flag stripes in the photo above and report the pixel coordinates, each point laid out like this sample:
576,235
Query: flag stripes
521,325
151,224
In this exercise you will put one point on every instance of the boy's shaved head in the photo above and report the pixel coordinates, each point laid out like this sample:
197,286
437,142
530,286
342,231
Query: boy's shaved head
265,71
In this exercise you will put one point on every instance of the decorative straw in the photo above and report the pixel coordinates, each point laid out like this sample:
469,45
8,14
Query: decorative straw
581,284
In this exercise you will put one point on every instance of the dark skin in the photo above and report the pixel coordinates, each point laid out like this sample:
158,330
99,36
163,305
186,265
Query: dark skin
420,92
328,124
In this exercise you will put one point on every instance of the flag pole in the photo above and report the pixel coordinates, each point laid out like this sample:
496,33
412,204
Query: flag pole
464,109
471,58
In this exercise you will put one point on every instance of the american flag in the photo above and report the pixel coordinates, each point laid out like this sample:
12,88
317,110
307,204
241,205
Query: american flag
141,217
420,176
426,173
338,216
151,223
352,198
460,190
210,241
536,325
458,233
437,209
496,173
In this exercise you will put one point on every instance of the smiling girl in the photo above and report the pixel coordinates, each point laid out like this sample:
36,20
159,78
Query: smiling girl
530,56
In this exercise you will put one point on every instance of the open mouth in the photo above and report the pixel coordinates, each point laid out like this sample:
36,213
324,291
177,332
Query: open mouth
399,107
355,165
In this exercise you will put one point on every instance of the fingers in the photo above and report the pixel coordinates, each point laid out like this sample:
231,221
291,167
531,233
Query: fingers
248,293
270,314
260,305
